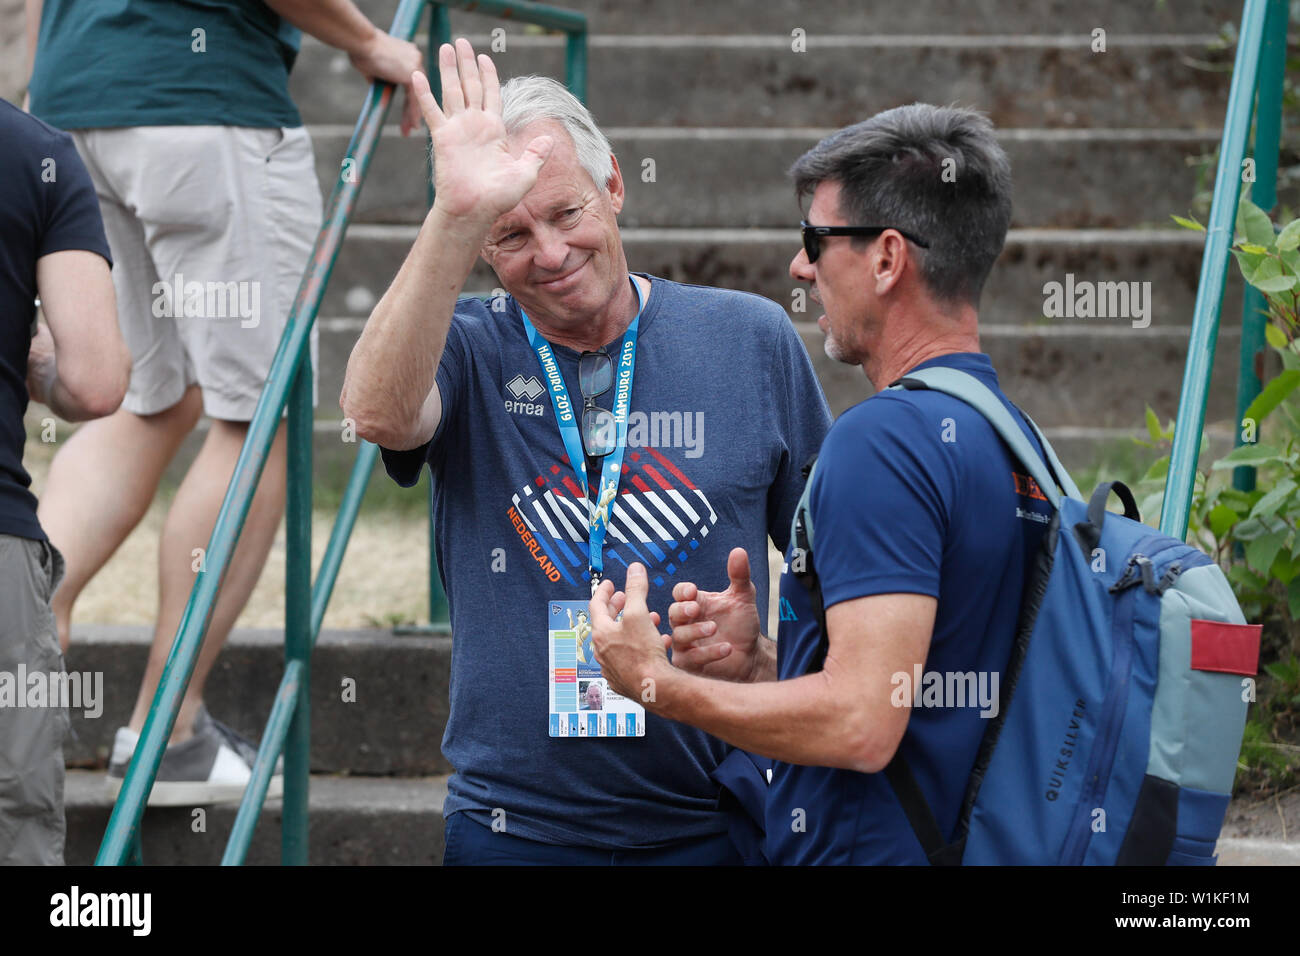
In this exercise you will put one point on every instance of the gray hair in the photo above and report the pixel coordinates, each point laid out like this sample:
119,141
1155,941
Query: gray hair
934,171
526,99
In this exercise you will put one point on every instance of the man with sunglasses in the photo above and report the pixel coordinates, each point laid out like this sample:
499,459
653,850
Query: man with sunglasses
922,524
529,409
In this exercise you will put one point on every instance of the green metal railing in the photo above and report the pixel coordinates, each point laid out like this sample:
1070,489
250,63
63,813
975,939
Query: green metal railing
1261,57
1268,136
289,384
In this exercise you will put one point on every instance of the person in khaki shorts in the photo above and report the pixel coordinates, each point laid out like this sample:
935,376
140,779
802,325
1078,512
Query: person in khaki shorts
207,183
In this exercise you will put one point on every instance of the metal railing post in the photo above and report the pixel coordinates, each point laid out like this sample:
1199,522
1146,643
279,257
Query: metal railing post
1181,482
297,616
439,33
575,64
350,505
1268,135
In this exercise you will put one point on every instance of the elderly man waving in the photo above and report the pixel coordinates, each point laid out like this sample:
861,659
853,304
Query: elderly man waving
564,426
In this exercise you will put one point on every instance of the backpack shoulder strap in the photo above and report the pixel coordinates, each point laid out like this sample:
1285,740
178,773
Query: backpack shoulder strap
1048,475
976,394
899,774
803,567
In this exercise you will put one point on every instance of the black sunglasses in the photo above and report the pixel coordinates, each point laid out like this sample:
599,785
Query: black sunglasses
595,378
812,235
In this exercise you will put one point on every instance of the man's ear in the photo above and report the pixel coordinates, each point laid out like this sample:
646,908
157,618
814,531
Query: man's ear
615,186
890,261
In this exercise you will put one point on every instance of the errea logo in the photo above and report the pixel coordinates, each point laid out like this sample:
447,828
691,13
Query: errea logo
525,388
528,388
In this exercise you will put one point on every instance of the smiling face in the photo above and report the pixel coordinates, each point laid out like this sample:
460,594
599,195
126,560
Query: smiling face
594,700
559,252
840,281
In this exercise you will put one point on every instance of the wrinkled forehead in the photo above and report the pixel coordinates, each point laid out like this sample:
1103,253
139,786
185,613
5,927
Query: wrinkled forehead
562,179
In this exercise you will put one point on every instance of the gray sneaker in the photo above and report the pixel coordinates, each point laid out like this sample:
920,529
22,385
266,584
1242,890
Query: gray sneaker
213,766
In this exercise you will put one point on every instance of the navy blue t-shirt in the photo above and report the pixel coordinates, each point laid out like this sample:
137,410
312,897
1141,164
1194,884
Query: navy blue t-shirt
47,204
725,411
913,493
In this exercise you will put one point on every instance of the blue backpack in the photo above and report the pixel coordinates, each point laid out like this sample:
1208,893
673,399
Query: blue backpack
1124,698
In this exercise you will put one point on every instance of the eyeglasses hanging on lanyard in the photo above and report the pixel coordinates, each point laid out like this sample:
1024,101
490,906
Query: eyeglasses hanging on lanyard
595,378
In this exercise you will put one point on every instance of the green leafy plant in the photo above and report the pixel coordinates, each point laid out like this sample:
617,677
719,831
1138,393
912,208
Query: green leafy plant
1254,533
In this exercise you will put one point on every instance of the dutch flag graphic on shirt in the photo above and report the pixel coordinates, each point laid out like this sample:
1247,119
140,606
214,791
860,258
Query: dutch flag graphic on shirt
659,517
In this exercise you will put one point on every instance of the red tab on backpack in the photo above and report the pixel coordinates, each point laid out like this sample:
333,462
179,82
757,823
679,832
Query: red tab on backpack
1226,648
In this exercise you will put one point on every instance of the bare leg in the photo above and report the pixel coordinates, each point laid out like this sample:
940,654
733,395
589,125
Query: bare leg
100,485
189,525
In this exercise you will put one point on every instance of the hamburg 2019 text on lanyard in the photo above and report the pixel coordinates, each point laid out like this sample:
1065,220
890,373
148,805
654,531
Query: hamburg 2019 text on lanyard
566,414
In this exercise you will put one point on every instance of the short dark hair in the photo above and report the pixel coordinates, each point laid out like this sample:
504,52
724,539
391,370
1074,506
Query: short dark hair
892,171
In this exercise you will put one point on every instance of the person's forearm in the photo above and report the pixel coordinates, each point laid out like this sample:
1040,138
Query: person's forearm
336,22
798,721
33,33
58,398
395,361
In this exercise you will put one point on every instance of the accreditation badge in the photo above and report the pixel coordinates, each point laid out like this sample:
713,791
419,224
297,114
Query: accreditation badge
582,702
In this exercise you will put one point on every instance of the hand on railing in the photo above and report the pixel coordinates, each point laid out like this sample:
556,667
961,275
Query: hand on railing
475,174
390,60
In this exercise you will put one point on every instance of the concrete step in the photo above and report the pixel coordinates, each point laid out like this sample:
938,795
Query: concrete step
369,821
854,16
1081,447
758,260
729,178
1069,376
394,726
353,821
1066,375
755,80
1252,852
1042,354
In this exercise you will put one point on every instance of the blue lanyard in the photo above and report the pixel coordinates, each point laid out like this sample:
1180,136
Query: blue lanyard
566,414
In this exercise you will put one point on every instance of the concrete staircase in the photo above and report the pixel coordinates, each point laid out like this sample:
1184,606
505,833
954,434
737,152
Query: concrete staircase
717,98
714,94
379,777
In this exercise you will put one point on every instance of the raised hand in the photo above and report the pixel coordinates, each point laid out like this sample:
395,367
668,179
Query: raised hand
717,633
475,175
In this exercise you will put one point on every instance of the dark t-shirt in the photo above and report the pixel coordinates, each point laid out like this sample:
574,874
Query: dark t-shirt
47,204
914,493
725,410
106,63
